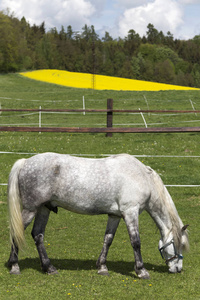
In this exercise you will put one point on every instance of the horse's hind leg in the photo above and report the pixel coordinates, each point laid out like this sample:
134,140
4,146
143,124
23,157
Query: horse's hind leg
38,230
13,259
111,228
131,220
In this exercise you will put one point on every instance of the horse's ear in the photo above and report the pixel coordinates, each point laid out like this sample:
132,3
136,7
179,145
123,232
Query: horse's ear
185,227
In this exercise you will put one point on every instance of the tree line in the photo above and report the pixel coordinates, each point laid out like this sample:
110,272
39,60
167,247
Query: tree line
154,57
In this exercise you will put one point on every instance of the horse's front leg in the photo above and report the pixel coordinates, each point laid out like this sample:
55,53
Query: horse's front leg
131,220
111,228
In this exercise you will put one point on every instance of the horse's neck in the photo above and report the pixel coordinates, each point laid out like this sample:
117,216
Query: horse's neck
164,213
162,221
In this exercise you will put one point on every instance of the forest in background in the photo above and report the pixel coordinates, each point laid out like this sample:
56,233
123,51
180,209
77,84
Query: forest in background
154,57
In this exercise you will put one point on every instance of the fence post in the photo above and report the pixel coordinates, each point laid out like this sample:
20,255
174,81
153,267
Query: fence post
40,117
109,116
83,105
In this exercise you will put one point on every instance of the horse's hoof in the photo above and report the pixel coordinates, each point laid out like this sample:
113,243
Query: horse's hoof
143,274
52,270
15,270
103,272
53,273
144,277
15,273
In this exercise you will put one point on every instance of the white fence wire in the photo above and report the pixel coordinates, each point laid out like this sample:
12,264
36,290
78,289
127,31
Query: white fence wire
106,155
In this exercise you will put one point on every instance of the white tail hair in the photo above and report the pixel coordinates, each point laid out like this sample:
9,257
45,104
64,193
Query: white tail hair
14,206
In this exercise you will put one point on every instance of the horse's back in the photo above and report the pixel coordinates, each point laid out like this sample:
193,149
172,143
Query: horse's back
83,185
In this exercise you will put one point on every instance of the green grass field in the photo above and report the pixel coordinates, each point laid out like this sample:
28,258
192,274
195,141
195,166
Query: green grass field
73,241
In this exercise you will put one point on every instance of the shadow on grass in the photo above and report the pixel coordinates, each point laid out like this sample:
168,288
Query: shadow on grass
121,267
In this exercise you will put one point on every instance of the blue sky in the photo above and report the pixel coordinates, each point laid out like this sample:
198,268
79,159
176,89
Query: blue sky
180,17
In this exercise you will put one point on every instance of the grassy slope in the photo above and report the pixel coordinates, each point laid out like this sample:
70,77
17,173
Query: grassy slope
74,242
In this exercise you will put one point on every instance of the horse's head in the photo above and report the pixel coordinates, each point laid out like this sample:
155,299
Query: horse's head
172,254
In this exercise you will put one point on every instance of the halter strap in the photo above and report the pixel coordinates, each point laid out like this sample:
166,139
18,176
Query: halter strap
176,255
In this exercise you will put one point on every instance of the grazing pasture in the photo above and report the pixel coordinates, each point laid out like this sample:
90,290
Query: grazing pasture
73,241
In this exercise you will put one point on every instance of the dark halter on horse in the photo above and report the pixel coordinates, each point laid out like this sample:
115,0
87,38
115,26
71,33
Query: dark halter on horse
176,255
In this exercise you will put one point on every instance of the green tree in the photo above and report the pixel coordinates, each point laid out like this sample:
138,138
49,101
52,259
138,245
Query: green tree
153,36
132,42
169,39
164,53
107,37
165,72
69,33
135,65
46,53
148,51
8,45
138,66
62,34
89,33
196,74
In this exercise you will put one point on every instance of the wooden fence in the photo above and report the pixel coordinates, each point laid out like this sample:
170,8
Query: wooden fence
109,129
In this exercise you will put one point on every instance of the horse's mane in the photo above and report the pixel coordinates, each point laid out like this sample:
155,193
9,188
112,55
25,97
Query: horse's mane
180,239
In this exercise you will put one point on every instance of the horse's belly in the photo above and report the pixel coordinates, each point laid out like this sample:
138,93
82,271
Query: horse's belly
84,204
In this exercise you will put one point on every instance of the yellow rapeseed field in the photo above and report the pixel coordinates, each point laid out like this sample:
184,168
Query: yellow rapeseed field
99,82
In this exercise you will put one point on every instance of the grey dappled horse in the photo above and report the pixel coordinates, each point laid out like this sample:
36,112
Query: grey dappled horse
119,185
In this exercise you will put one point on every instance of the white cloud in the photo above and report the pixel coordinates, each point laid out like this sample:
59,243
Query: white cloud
99,6
164,15
132,3
180,17
189,1
55,13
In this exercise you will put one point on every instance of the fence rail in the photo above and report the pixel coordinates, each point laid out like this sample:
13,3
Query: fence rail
100,110
102,129
109,129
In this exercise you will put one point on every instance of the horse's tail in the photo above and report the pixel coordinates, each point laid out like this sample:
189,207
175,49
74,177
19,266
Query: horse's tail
14,206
